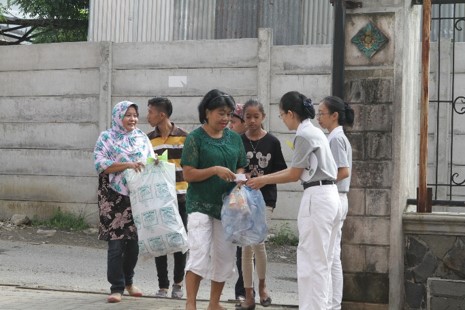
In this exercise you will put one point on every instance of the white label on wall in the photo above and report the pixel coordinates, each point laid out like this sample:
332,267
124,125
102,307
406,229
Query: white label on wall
177,81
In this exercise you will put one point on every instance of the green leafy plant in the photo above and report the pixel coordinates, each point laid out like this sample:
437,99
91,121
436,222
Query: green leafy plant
285,236
64,221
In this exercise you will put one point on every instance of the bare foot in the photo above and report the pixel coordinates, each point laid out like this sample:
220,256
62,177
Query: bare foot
262,291
190,306
215,307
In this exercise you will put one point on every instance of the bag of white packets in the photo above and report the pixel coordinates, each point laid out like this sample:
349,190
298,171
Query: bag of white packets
155,210
243,216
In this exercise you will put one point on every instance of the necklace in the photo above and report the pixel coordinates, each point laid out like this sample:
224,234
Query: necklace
254,148
260,135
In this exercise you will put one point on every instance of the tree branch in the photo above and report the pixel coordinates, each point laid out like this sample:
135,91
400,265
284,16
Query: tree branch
56,23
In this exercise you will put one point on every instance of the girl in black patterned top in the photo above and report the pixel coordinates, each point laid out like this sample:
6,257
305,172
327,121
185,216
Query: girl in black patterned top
264,156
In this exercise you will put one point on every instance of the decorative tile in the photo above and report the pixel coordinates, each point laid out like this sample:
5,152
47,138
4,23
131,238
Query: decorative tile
369,40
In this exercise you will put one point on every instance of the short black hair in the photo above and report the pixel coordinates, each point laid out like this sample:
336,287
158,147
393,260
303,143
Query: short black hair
162,104
212,100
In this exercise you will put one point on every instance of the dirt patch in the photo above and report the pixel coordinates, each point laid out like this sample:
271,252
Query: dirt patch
45,235
88,238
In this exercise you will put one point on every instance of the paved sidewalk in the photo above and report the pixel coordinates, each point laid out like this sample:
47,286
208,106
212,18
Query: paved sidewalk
19,298
49,276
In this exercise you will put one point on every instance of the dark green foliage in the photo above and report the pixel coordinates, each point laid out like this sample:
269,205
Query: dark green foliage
52,20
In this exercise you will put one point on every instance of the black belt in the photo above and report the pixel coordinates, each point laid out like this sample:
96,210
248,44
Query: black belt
316,183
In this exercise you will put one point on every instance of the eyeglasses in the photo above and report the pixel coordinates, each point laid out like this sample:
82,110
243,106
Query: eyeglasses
281,114
321,113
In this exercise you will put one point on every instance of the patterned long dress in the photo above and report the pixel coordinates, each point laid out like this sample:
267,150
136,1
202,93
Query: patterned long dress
115,213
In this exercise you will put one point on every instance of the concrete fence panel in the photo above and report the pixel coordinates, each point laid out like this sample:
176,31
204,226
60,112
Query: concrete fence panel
48,135
79,55
187,54
44,162
183,82
44,109
58,100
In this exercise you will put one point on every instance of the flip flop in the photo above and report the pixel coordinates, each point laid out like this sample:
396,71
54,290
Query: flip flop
242,307
265,302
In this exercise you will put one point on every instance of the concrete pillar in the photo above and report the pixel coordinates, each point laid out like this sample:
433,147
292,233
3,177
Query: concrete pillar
265,41
383,90
105,85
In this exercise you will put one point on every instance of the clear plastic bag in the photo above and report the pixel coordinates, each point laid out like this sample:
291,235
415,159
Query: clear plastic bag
243,216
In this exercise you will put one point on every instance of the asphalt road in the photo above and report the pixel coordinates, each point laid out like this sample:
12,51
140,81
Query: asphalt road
65,267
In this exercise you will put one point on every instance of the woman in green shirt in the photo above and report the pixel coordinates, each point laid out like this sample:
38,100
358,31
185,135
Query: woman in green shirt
211,156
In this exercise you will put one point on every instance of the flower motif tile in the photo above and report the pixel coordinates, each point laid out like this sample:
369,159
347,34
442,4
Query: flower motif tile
369,40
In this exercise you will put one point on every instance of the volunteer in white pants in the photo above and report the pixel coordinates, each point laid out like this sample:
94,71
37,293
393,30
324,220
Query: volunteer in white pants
333,114
320,209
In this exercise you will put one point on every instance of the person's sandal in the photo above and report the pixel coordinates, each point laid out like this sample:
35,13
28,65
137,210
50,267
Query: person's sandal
265,302
134,291
176,291
242,306
114,297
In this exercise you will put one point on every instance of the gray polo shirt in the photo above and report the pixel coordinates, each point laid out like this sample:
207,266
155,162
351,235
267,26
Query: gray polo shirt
342,153
312,152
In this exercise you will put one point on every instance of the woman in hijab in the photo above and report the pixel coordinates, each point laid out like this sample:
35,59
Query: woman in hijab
121,147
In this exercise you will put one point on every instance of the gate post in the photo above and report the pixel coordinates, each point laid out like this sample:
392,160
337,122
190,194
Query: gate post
424,202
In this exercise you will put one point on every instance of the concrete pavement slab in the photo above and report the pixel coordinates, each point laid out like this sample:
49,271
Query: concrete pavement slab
22,298
64,268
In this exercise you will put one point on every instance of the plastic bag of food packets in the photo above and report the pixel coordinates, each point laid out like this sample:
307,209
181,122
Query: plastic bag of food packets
155,210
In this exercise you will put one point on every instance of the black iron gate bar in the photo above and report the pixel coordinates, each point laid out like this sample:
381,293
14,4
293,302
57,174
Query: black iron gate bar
453,175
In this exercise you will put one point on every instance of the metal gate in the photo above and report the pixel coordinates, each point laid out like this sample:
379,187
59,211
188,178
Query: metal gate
446,171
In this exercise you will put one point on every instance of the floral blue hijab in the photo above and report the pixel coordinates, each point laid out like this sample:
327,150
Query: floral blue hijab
119,145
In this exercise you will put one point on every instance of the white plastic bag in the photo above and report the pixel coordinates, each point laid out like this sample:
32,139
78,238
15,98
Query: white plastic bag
155,210
243,216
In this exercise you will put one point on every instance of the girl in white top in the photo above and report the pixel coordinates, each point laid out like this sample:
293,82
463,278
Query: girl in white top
320,208
333,114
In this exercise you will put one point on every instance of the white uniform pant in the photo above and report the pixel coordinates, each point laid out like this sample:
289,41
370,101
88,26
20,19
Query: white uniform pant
318,222
337,277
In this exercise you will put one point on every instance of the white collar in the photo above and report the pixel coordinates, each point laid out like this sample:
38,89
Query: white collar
335,132
305,123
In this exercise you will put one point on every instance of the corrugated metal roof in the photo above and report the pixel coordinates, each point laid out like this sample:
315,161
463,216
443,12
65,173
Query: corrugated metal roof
292,21
317,22
130,20
194,19
284,17
236,19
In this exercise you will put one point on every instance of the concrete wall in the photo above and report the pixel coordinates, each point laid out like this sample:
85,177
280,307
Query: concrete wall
56,98
49,120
